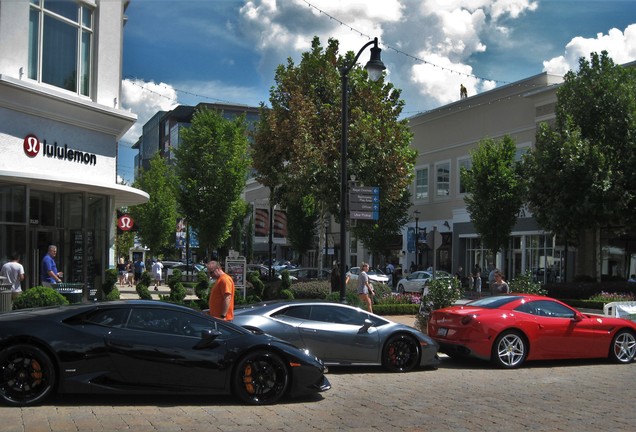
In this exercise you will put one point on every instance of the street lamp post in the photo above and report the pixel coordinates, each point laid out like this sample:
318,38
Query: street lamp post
374,67
417,239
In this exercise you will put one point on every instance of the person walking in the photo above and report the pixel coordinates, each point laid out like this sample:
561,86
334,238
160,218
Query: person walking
365,289
499,286
14,272
157,268
221,299
121,270
138,269
49,273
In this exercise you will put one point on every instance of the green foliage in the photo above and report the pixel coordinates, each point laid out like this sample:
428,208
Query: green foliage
286,284
177,291
257,284
156,219
39,296
212,165
302,221
123,242
441,293
522,283
582,170
311,290
296,149
114,294
286,294
495,190
395,309
607,297
202,288
142,286
111,277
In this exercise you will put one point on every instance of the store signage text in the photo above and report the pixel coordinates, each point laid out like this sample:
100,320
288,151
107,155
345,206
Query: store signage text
33,146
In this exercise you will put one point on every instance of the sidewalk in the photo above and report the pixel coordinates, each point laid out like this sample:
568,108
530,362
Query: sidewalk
129,293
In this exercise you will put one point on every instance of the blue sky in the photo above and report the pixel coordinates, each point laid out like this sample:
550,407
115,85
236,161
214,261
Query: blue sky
191,51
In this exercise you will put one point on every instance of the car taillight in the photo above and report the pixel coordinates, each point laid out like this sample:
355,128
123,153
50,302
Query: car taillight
467,319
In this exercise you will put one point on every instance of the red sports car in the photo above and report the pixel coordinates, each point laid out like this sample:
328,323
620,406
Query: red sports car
510,329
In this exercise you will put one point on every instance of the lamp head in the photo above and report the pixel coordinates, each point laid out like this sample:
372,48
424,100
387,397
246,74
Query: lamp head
375,66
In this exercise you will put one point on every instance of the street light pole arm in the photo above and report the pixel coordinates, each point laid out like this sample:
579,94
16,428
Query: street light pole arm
344,71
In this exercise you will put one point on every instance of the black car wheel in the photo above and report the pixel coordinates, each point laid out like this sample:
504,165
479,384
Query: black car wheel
400,288
28,375
401,353
261,377
623,348
510,350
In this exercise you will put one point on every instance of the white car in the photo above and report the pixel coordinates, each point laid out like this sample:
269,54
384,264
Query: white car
416,282
375,276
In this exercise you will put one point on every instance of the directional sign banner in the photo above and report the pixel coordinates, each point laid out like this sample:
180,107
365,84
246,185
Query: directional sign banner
364,202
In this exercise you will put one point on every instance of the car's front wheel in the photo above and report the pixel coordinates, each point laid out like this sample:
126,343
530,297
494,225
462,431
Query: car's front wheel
623,348
261,377
28,375
401,353
510,350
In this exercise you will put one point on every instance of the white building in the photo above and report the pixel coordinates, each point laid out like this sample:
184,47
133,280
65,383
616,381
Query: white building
60,120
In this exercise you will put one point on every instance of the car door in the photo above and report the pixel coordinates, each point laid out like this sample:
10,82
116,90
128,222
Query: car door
157,347
337,335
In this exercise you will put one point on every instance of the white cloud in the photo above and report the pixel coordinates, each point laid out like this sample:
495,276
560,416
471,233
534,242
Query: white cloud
621,47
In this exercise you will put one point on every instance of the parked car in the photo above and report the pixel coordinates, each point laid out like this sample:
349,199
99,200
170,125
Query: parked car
263,271
416,282
511,329
342,335
188,271
304,274
375,275
145,347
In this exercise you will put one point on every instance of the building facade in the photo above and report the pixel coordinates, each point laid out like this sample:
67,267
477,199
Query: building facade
60,120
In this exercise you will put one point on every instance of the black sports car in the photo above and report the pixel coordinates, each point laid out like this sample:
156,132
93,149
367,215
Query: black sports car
143,347
342,335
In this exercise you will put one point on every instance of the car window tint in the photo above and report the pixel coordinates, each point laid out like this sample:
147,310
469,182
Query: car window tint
302,312
493,302
546,308
108,317
168,321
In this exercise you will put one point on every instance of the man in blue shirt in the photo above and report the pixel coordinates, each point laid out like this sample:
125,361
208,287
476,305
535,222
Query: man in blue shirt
49,273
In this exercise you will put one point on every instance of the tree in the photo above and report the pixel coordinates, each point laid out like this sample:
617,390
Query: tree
296,149
495,190
581,171
302,218
156,219
212,164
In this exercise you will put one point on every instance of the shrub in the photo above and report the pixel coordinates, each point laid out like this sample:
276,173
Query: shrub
522,283
257,284
110,279
392,299
114,294
313,290
39,296
142,286
441,293
286,294
177,291
606,297
286,284
202,288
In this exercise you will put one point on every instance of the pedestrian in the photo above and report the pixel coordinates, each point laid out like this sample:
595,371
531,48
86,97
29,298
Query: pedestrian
365,289
121,270
48,272
491,275
477,275
14,272
129,274
413,267
157,269
499,286
221,299
138,269
477,282
335,277
390,270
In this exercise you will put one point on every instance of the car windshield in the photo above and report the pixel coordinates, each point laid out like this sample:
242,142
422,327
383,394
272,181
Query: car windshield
492,302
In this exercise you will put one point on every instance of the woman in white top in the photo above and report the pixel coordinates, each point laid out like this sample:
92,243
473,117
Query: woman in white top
365,289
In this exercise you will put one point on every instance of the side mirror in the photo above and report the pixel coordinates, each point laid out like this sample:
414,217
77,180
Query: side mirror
577,317
208,337
365,327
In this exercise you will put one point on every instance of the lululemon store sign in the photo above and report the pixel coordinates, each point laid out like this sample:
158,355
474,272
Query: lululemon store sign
33,147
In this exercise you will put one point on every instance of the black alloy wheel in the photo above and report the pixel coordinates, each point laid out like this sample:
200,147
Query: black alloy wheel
261,378
401,353
28,375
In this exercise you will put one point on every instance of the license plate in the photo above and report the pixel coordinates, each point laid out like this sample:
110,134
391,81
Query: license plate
442,331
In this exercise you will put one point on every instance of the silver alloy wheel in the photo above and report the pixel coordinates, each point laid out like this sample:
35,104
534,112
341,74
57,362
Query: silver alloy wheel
511,350
624,347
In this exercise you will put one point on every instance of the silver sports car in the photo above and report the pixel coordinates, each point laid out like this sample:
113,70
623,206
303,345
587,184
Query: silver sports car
342,335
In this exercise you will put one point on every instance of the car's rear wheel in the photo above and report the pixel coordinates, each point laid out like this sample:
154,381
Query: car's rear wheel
261,377
623,348
510,350
401,353
28,375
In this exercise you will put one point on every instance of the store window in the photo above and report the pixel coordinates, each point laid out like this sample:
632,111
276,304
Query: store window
12,203
60,44
421,183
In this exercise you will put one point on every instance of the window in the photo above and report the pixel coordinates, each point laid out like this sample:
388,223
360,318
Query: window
60,44
546,308
462,164
421,184
442,176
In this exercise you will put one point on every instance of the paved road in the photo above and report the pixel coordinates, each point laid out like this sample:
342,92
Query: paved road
548,396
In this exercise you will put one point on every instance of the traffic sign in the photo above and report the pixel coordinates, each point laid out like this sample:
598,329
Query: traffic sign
364,202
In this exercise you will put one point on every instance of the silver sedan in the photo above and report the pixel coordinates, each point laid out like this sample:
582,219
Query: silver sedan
342,335
416,282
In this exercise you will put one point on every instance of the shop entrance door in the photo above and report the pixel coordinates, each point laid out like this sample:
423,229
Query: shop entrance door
40,241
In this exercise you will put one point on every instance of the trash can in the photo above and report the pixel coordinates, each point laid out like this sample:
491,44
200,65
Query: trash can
6,303
74,292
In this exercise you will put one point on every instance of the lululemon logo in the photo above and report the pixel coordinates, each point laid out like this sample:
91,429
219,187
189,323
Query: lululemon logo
125,223
31,146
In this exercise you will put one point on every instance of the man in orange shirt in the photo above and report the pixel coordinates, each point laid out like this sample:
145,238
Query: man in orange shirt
221,302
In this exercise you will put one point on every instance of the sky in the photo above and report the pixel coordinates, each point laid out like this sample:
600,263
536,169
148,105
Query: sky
226,51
